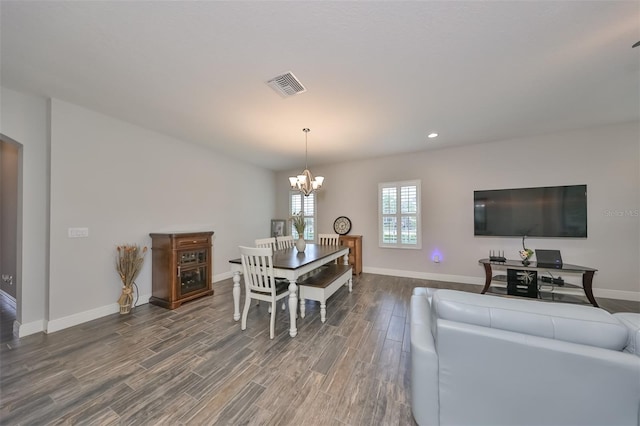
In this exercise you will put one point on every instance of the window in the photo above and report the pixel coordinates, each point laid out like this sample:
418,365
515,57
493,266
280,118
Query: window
307,206
399,214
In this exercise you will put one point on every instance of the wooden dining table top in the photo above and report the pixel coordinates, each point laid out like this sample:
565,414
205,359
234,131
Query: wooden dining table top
290,258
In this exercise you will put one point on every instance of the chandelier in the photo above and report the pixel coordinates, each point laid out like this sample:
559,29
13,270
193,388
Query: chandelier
305,182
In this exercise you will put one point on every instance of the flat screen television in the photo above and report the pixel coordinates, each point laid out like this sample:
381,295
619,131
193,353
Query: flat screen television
551,211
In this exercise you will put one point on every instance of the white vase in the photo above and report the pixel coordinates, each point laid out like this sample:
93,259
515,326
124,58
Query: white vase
301,244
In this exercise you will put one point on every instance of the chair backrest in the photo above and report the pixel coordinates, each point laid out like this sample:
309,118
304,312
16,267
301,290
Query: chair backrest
257,264
267,242
329,239
285,242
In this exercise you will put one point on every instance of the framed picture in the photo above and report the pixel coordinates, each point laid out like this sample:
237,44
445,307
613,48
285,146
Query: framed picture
278,227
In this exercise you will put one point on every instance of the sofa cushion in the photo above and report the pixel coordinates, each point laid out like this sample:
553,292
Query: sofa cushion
561,321
632,322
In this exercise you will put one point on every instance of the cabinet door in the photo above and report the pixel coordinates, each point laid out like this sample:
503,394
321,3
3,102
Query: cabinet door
192,279
192,271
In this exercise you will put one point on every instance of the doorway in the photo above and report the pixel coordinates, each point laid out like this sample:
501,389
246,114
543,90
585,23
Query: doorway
9,234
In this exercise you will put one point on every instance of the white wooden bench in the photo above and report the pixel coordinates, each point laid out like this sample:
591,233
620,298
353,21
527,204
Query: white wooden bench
321,285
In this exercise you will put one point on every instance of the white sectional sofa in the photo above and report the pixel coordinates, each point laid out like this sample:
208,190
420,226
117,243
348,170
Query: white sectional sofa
488,360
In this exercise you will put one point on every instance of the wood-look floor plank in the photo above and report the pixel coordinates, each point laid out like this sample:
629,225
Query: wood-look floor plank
236,408
371,346
314,409
349,406
387,410
214,375
26,411
209,407
389,361
337,377
87,406
363,328
194,365
103,417
329,355
396,328
297,395
403,383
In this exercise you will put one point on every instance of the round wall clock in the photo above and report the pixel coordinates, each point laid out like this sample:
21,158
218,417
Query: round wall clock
342,225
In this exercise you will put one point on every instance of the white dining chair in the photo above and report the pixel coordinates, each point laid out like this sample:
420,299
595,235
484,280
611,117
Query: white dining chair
329,239
285,241
260,282
267,242
271,243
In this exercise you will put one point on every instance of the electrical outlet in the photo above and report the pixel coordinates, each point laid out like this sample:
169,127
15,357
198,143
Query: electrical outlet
7,278
78,232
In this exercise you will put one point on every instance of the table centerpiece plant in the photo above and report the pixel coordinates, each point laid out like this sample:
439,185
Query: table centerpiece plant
299,224
129,260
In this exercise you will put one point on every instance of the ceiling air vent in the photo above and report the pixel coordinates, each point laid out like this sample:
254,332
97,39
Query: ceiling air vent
286,85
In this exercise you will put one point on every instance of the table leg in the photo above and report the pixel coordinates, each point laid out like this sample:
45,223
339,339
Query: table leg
303,308
236,296
345,260
587,281
487,277
293,308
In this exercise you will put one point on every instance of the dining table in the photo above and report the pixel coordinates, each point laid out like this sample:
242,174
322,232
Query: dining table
291,264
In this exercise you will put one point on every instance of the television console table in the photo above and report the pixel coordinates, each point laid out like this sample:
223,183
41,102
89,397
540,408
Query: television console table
587,273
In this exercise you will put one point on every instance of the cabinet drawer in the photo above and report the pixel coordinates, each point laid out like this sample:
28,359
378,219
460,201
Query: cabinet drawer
192,241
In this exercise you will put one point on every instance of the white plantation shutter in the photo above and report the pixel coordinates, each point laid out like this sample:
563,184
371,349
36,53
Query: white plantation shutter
399,214
307,205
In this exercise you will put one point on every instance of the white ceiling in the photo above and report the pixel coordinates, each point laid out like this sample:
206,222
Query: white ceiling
379,75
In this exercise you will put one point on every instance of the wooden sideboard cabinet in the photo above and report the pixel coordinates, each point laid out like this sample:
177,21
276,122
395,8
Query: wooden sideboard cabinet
181,268
354,242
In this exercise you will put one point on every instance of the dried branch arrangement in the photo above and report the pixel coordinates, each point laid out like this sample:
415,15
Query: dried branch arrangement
129,261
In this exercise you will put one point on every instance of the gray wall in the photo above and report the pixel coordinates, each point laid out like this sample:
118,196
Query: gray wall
122,182
606,158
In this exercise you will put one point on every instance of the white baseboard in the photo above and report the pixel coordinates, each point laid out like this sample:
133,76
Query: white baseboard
223,276
597,292
81,317
617,294
426,275
22,330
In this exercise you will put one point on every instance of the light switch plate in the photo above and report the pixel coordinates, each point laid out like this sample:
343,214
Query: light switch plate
78,232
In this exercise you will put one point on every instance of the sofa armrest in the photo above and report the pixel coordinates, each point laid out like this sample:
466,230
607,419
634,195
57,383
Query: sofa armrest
631,320
532,380
424,364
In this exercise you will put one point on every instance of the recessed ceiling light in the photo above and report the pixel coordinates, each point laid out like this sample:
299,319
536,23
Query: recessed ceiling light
432,135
